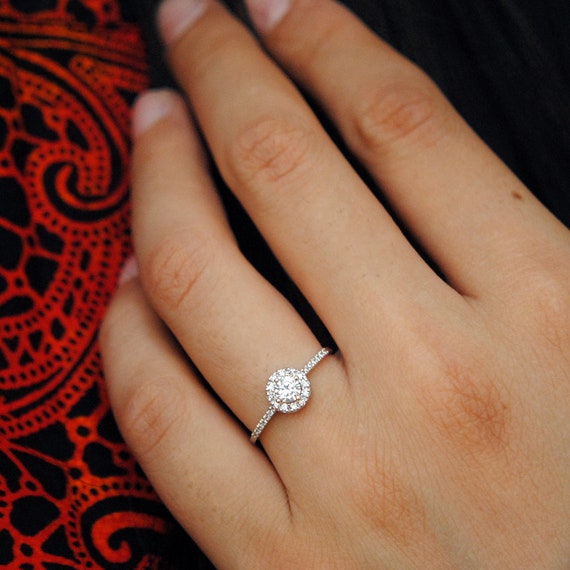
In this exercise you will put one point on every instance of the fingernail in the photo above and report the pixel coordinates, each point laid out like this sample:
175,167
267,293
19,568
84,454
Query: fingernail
176,16
129,271
149,108
266,14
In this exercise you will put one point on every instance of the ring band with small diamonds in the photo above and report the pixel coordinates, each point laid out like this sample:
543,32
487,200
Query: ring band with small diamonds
288,390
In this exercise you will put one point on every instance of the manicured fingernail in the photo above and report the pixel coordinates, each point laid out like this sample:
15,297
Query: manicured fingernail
129,271
266,14
150,107
176,16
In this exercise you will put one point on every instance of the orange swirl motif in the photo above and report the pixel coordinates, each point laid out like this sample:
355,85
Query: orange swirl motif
70,493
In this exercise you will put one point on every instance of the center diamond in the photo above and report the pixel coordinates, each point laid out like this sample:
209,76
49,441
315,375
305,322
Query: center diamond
288,390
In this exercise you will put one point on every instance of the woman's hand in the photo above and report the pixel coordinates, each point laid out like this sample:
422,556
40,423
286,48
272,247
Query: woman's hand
438,436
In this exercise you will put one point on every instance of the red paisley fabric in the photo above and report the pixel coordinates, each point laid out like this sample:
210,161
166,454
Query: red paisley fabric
71,496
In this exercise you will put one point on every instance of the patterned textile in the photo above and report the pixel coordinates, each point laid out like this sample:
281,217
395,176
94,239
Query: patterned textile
71,496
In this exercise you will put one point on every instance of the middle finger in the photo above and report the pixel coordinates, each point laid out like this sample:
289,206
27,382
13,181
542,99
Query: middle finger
315,212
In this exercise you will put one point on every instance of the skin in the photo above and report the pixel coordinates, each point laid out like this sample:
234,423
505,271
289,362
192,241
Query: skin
438,435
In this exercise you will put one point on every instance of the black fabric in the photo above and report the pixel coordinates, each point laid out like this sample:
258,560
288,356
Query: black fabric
504,64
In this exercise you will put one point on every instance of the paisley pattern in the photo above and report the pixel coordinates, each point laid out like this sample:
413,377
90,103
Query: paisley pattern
71,496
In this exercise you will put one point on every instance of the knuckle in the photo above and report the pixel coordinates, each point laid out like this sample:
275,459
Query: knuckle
468,408
549,295
548,311
196,65
177,267
383,497
149,415
541,287
270,150
404,111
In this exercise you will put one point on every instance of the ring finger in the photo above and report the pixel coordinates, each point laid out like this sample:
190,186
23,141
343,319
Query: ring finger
186,443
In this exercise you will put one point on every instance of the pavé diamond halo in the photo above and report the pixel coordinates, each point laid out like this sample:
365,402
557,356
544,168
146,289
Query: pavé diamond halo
288,390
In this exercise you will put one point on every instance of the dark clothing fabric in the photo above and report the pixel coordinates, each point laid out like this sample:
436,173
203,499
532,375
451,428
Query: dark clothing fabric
504,64
71,495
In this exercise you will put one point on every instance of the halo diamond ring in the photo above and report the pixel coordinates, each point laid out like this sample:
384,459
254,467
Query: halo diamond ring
288,390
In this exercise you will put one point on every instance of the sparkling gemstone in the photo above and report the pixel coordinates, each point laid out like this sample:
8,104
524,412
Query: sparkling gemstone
288,390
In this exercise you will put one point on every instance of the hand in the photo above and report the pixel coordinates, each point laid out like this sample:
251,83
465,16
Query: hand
438,435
